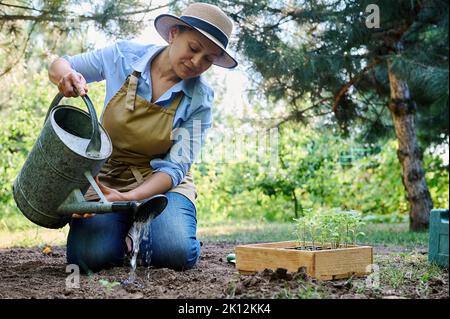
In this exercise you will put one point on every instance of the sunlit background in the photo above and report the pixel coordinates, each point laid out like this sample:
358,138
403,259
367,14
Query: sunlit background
248,171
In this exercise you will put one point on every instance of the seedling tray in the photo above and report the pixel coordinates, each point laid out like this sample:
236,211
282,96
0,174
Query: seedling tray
324,264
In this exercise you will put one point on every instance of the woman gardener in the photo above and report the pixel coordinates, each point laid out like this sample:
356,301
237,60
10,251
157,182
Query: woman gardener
154,95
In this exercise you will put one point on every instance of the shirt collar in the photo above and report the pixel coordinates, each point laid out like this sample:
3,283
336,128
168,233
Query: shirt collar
142,65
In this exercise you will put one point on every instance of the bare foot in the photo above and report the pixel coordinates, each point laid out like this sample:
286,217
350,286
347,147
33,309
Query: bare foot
129,242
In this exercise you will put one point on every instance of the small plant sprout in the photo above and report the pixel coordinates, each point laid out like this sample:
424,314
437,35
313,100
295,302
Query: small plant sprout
108,286
330,228
300,230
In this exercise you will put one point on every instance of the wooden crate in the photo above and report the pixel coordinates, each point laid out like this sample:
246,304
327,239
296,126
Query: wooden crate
328,264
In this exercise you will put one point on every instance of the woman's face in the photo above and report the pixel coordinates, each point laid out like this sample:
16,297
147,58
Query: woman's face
191,53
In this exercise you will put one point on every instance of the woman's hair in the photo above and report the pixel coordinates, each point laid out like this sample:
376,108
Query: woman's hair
183,28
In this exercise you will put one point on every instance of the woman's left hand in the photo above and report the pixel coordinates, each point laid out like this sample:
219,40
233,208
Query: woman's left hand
111,194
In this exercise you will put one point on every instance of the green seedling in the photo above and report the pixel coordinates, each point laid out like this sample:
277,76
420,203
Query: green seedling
335,228
108,285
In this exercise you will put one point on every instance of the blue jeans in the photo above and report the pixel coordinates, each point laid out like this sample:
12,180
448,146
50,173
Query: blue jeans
99,242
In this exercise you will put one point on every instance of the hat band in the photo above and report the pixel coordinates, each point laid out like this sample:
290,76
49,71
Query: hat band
207,27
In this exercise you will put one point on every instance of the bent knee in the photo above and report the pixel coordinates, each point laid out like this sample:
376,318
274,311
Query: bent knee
178,257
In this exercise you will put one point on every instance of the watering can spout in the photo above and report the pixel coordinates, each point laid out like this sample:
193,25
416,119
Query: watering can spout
140,210
143,210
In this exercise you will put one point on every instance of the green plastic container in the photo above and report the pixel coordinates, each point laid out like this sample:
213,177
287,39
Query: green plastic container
438,244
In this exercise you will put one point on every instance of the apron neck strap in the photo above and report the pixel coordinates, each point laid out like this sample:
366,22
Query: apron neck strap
136,74
130,99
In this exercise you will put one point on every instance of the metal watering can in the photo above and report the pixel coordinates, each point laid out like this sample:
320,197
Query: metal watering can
70,150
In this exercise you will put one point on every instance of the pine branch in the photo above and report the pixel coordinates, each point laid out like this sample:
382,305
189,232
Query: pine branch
56,17
23,7
21,54
298,115
353,81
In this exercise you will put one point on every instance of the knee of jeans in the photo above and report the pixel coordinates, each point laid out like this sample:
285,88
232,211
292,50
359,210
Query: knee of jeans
180,257
95,259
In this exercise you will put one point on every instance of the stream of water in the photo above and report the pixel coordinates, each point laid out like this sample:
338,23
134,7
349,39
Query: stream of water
139,232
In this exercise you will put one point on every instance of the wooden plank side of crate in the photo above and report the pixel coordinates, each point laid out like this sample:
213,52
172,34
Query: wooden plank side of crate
252,258
278,244
343,263
288,244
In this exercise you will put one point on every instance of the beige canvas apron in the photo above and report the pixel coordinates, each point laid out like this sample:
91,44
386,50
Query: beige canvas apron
140,131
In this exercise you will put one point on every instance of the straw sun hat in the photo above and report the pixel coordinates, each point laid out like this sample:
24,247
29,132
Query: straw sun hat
209,20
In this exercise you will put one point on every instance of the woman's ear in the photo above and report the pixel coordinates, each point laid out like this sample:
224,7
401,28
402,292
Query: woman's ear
173,32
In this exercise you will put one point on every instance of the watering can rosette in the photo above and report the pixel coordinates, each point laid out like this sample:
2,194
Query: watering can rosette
71,149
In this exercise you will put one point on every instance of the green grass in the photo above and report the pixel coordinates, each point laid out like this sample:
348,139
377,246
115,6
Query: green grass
245,232
394,234
257,231
12,220
409,273
233,231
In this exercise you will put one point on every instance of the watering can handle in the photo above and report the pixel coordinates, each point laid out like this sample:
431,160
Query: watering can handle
94,146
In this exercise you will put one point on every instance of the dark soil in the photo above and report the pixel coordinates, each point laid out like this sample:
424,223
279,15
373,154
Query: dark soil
309,248
41,273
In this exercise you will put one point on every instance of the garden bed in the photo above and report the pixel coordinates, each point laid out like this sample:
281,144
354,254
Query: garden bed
403,273
320,262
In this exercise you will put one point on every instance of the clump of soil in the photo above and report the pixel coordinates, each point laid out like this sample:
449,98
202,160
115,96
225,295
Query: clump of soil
41,273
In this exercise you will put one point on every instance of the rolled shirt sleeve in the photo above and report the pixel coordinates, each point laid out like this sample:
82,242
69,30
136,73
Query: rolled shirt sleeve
188,138
91,64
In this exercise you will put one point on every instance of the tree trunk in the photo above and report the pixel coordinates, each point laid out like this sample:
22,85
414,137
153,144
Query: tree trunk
295,203
403,109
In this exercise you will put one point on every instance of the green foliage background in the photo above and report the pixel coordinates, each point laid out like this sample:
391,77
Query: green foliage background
315,171
313,166
310,163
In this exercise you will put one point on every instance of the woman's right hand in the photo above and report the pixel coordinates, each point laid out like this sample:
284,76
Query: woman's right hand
73,84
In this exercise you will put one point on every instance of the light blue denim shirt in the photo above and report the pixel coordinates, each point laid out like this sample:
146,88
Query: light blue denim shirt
193,116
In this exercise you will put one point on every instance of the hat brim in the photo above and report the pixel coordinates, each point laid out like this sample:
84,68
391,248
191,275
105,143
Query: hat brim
163,24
